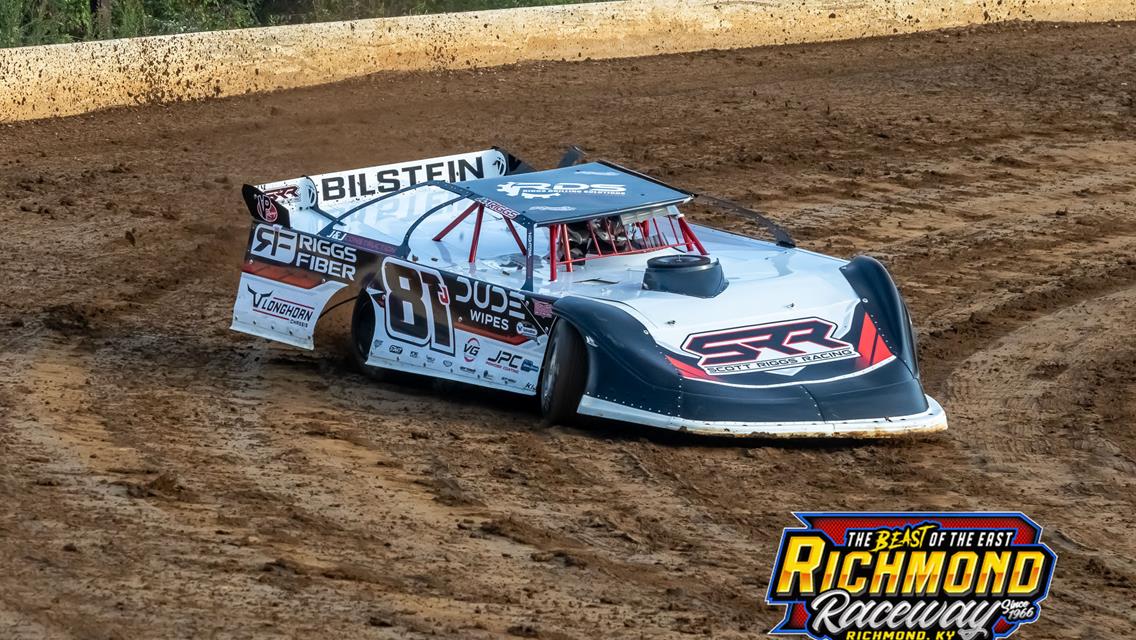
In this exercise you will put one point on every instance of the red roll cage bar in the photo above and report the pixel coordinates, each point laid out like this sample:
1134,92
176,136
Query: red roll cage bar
682,236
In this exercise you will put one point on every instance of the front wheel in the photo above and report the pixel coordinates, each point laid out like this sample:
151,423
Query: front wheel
564,374
362,333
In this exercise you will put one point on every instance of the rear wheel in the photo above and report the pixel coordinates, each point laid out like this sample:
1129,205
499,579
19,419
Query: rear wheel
564,374
362,333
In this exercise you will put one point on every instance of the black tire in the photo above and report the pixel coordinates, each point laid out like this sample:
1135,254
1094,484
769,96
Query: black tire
564,375
362,332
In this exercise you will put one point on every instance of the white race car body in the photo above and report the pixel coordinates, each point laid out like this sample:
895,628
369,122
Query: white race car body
469,260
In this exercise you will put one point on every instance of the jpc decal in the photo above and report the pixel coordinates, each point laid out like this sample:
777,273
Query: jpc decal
910,576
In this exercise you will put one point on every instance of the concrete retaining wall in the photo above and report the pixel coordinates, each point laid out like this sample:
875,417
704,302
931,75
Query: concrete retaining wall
37,82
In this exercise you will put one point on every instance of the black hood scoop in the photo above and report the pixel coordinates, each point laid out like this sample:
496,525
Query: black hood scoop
687,275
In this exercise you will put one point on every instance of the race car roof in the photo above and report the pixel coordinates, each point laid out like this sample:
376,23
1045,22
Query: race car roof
575,193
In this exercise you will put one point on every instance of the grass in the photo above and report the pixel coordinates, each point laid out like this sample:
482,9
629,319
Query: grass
31,22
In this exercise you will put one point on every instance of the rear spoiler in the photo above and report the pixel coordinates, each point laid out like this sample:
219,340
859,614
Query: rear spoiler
353,185
264,208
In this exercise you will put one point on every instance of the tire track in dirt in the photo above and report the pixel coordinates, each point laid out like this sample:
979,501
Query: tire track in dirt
1048,418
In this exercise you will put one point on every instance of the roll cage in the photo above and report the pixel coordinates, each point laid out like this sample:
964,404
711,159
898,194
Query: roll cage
599,226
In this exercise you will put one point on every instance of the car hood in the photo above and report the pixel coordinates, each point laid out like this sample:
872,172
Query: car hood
765,286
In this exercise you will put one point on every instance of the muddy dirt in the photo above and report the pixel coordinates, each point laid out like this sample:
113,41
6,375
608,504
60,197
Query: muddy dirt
163,477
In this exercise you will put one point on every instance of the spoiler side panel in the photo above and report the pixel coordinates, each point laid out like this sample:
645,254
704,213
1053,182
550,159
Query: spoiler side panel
280,311
289,277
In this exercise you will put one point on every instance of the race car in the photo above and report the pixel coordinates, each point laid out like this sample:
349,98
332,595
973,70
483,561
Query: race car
584,285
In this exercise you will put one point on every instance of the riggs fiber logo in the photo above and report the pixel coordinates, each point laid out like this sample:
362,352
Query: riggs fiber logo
308,252
768,347
530,190
266,303
910,576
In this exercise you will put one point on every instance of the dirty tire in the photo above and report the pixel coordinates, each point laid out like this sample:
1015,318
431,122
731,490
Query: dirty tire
563,376
362,332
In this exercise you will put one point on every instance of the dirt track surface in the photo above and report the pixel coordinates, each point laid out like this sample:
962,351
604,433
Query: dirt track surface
161,476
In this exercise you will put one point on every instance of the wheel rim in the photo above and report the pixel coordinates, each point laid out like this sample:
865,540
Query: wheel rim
551,369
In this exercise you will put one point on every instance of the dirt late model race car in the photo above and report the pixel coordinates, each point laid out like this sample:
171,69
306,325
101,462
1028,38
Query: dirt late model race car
584,285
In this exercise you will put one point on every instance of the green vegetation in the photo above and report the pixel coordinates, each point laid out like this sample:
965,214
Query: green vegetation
28,22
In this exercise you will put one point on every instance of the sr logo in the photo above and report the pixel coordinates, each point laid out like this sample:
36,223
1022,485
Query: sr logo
768,347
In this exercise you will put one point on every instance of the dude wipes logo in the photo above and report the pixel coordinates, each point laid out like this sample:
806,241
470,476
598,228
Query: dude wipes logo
910,576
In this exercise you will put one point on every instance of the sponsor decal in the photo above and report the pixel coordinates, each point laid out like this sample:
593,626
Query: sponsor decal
490,320
362,242
304,251
373,182
499,208
531,190
506,360
910,576
465,369
266,208
287,192
267,303
471,349
597,173
528,365
544,208
489,305
369,182
542,309
395,349
527,329
768,347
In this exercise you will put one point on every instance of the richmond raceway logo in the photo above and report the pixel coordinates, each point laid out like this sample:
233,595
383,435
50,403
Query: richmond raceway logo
294,312
530,190
768,347
910,576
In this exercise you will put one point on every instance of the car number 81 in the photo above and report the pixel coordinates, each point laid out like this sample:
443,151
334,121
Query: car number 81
418,306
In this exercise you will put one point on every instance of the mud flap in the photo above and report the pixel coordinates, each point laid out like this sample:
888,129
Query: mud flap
278,311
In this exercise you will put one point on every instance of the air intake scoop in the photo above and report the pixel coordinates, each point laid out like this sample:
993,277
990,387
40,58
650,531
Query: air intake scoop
687,275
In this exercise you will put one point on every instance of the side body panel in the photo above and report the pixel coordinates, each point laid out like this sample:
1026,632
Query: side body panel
457,327
428,321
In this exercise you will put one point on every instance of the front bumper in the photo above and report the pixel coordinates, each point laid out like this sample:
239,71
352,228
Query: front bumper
931,420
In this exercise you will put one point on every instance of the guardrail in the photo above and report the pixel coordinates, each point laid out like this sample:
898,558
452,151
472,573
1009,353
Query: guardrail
58,80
